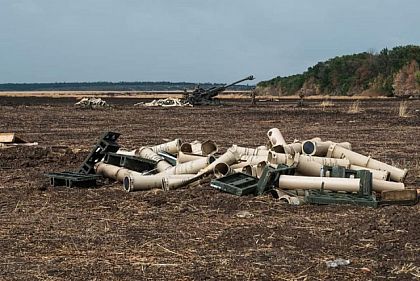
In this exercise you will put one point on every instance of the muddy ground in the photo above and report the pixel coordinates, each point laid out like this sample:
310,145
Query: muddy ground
199,233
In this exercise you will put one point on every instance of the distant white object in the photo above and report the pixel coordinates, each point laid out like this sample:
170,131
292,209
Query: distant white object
168,102
337,263
92,103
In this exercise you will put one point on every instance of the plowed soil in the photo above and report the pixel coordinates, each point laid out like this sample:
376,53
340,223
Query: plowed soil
50,233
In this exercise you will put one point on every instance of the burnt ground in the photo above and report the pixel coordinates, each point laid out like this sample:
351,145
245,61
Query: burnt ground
198,233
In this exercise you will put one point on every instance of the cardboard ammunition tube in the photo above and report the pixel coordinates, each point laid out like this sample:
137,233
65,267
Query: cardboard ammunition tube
318,148
196,147
336,151
136,181
209,147
312,165
316,139
254,160
111,171
376,174
380,185
309,168
222,169
229,157
251,151
126,152
239,165
187,157
162,165
147,153
250,170
262,147
186,147
292,148
260,168
175,181
172,147
275,137
325,161
334,184
249,160
280,158
191,167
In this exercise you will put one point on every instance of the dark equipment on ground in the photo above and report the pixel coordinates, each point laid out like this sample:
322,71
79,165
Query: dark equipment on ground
202,96
85,176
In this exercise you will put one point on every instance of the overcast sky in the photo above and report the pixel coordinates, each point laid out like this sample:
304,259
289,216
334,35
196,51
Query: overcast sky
191,40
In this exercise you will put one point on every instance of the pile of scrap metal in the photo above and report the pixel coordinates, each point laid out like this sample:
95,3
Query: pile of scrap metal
312,171
92,103
168,102
11,140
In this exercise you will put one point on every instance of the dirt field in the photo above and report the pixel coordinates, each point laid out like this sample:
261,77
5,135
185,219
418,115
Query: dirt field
199,233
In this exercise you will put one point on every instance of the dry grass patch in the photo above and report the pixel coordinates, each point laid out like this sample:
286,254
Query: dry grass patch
403,109
355,107
407,269
326,103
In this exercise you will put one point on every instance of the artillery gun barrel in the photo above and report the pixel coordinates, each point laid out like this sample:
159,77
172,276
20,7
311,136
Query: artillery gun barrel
239,81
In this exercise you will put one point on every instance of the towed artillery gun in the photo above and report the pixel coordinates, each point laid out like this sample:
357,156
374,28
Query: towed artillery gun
202,96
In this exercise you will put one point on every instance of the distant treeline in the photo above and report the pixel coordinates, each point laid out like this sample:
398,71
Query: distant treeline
389,72
110,86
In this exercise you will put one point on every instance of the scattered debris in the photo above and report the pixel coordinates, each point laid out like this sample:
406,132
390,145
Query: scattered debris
410,268
168,102
365,270
337,262
10,140
311,171
92,103
244,214
85,176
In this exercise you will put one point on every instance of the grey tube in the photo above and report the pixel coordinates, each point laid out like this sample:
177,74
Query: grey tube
275,137
336,151
171,147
